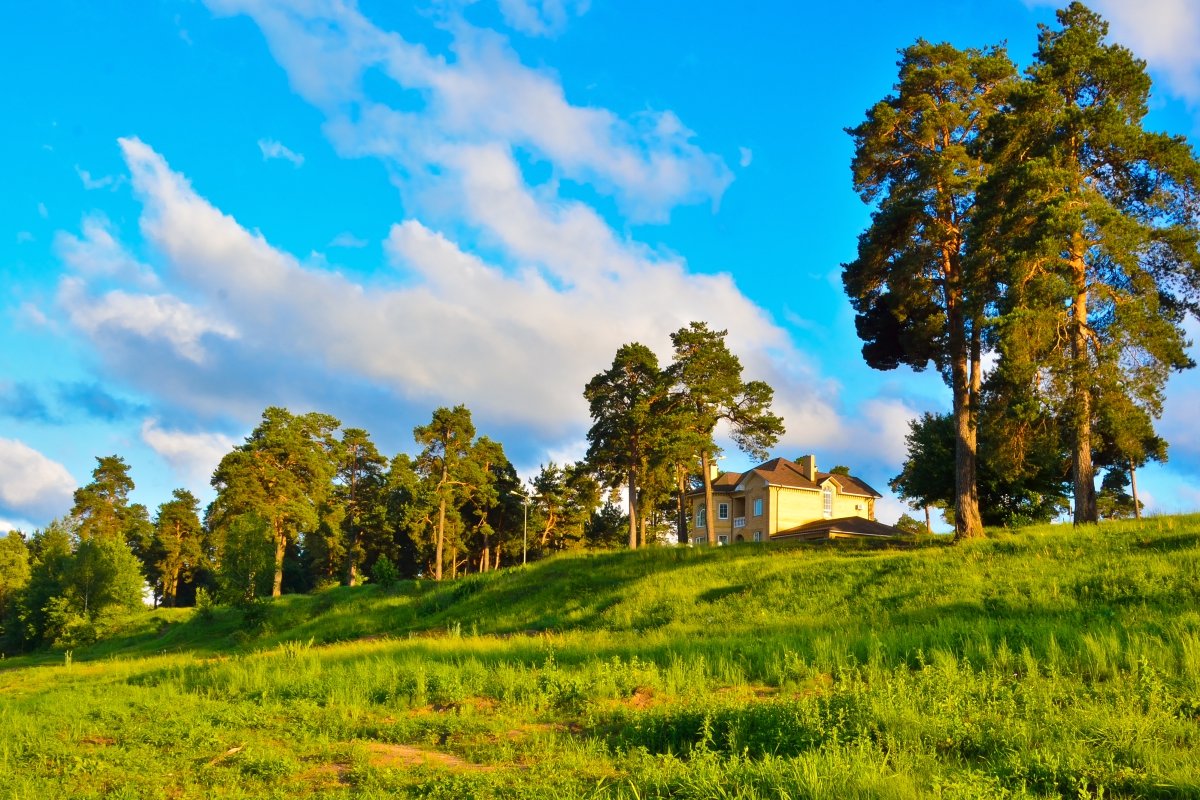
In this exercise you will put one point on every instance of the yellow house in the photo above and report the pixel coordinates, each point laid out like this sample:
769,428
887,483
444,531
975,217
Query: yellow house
784,499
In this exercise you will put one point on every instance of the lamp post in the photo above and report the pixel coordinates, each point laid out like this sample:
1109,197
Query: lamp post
525,498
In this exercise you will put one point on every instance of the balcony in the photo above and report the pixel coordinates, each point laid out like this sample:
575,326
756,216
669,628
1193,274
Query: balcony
739,522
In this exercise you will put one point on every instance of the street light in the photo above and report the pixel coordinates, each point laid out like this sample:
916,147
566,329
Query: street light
525,528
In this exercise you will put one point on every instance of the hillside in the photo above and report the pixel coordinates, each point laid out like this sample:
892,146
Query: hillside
1039,663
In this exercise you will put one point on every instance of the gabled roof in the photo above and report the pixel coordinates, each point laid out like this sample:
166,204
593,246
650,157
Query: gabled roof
854,527
783,472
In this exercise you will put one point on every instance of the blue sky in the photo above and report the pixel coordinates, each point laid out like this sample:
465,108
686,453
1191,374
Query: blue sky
372,210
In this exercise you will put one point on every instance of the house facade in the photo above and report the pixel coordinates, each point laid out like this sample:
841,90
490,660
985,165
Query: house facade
783,499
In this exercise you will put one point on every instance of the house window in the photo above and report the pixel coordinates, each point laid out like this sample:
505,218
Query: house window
758,536
827,496
758,507
722,539
698,540
700,516
723,511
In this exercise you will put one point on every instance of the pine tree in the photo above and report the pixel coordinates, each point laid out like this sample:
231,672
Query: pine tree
1096,219
709,390
920,298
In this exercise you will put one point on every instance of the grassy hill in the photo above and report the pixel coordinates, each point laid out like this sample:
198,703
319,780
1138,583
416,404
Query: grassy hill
1045,662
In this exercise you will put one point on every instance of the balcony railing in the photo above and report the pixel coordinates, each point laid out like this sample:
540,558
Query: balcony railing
739,522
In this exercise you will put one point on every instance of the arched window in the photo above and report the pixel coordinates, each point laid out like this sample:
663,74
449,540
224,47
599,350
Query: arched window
700,516
827,497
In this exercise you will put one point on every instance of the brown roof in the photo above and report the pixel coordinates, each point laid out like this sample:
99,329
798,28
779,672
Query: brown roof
858,527
782,472
850,484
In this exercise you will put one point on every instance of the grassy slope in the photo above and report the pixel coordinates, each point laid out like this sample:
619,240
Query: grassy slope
1042,663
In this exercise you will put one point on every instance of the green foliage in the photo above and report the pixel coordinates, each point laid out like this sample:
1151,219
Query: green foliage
920,295
385,575
205,607
1094,222
247,559
281,474
14,577
178,547
1019,482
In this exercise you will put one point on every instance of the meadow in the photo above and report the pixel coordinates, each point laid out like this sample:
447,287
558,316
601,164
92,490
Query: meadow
1043,662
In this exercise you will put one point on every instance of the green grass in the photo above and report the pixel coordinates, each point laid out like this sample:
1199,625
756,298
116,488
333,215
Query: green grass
1045,662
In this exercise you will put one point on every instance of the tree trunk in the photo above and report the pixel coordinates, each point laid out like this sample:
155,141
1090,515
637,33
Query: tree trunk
963,375
681,517
1137,507
280,547
454,562
633,526
928,522
1083,472
709,516
352,557
441,528
496,563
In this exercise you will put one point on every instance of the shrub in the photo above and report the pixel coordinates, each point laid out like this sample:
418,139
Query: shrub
385,573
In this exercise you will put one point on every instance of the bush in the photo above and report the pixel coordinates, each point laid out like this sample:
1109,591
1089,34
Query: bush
385,573
205,606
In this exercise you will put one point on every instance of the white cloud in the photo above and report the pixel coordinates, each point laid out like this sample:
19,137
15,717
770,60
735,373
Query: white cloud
42,211
541,17
649,162
148,317
24,237
98,254
349,240
272,149
90,183
192,456
31,485
518,346
745,157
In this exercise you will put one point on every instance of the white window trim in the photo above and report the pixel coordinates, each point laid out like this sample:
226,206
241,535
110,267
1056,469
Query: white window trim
700,517
722,510
758,536
722,539
827,501
758,506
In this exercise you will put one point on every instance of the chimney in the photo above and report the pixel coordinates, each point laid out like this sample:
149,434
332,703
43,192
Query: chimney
713,471
808,465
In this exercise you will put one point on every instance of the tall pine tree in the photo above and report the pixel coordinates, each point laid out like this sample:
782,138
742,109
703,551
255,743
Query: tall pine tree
919,298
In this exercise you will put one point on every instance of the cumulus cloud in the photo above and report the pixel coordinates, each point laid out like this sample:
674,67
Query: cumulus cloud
272,150
32,486
649,162
98,254
541,17
192,456
519,346
144,316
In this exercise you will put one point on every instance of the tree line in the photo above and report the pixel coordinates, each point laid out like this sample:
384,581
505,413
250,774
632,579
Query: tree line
1033,218
305,503
300,504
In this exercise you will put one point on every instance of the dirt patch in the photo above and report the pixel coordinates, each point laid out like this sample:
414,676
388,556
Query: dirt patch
641,699
98,741
326,776
403,755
